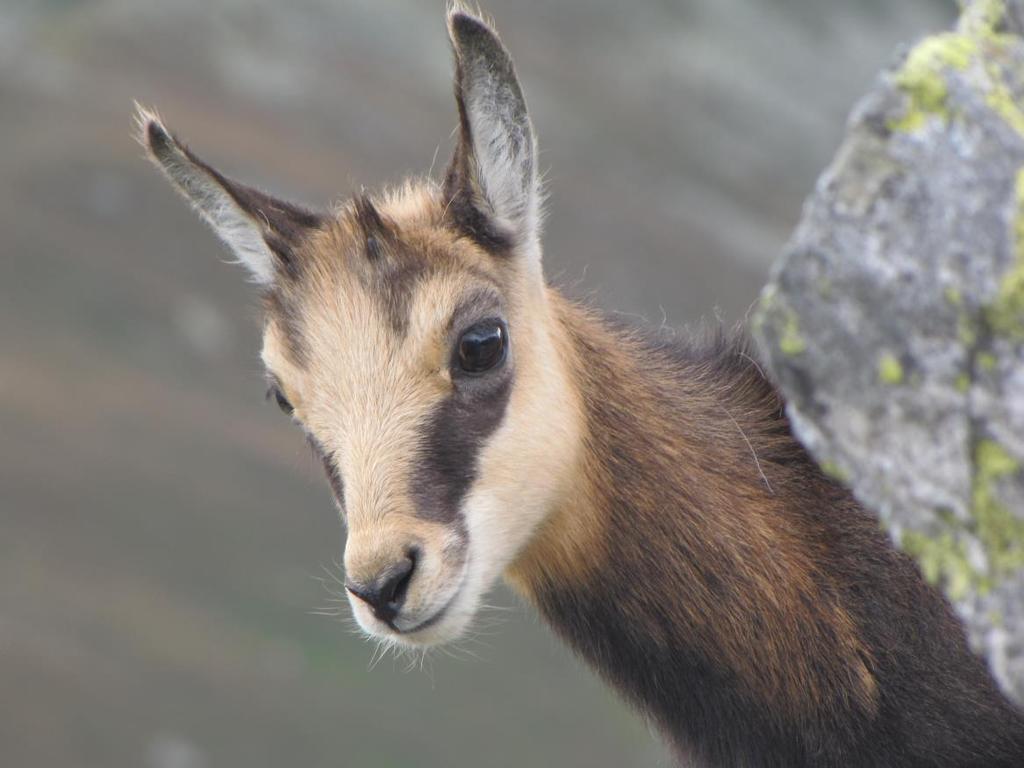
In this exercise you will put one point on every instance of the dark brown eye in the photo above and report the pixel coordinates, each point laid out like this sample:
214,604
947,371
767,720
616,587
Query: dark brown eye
483,346
282,401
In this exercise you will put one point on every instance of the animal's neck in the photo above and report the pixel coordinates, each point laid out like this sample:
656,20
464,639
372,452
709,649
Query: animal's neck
668,587
704,565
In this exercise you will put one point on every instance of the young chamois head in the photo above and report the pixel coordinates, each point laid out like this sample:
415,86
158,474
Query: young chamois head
409,335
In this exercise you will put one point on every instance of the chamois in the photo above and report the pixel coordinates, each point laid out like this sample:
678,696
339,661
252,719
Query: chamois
645,494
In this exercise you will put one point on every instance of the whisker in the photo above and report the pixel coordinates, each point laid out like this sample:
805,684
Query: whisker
378,654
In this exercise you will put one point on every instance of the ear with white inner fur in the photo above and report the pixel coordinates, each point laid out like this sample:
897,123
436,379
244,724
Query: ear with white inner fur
261,231
491,187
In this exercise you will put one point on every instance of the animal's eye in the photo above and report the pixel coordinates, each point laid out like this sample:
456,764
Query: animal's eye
483,346
282,401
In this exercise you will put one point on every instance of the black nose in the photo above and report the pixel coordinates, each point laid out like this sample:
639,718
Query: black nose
386,593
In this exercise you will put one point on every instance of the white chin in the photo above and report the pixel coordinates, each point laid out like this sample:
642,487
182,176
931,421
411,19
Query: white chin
448,628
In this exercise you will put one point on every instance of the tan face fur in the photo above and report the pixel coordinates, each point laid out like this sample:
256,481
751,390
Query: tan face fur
442,475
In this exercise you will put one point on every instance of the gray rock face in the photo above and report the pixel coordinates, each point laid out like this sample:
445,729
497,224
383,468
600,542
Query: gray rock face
894,322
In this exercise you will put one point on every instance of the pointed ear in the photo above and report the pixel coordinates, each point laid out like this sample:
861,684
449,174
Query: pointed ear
261,231
492,188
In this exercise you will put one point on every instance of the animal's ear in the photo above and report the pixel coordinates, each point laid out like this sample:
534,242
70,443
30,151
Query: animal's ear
492,188
264,233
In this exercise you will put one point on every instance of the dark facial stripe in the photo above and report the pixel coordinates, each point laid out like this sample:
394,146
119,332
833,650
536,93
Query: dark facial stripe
391,271
368,218
278,303
374,228
394,289
331,468
452,440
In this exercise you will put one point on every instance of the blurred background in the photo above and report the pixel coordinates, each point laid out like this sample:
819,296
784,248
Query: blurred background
164,534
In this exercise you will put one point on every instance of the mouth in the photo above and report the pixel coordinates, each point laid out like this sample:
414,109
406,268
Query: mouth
426,623
409,634
429,622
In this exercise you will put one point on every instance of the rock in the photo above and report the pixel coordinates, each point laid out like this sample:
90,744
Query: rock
894,322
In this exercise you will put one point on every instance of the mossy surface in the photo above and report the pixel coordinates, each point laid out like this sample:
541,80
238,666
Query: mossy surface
966,330
1006,313
943,556
1000,99
780,318
943,560
999,530
923,75
982,17
890,369
834,471
791,342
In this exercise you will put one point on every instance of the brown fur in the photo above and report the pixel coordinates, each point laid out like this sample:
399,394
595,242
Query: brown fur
711,458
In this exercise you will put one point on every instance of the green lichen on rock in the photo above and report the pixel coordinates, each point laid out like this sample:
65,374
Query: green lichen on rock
967,330
890,369
943,556
1006,313
834,471
986,361
1001,100
781,321
999,530
982,17
981,20
791,342
922,77
943,560
962,383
